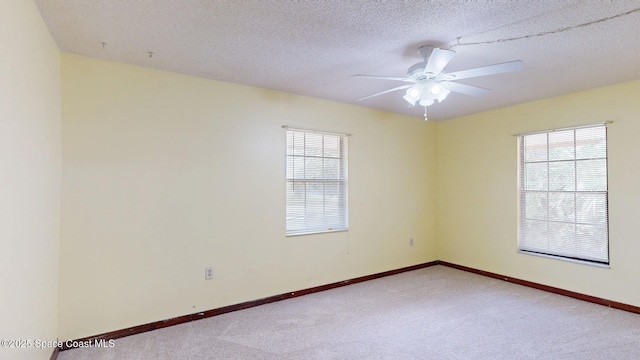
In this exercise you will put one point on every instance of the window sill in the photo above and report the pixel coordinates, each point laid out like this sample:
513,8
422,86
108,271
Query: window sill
582,262
316,232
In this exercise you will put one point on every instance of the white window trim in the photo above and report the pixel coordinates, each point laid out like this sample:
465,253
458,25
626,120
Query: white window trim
343,181
520,250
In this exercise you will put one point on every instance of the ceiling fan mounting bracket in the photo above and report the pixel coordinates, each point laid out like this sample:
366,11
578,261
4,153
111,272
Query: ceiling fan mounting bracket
425,51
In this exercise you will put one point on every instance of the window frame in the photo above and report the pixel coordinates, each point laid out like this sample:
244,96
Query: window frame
341,181
522,216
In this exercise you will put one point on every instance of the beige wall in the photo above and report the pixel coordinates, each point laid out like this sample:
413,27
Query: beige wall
165,174
29,178
477,187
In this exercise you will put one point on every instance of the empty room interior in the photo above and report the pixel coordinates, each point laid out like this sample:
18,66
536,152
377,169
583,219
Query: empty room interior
319,180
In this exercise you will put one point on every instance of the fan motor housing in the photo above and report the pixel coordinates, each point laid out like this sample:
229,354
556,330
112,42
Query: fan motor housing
416,72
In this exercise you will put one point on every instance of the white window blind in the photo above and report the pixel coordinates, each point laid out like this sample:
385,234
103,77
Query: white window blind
316,174
564,194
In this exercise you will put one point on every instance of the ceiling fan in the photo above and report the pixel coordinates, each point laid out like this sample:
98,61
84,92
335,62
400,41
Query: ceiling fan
428,81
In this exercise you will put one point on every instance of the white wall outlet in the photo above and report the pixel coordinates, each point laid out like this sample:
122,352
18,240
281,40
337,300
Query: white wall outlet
208,273
411,241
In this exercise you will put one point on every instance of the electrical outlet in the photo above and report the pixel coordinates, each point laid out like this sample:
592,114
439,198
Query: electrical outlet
411,241
208,273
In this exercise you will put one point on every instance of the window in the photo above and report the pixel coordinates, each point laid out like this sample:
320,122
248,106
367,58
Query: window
563,194
316,173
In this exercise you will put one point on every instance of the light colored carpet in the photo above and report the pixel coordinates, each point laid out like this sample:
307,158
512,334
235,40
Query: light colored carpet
432,313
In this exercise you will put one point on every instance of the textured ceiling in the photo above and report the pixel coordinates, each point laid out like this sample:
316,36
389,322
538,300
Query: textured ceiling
313,47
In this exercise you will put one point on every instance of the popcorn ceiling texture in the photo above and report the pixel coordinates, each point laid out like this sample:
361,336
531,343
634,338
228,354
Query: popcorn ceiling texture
312,48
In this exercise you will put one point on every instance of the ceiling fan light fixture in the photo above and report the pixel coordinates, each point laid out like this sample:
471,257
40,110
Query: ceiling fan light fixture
410,100
435,89
426,101
412,95
442,95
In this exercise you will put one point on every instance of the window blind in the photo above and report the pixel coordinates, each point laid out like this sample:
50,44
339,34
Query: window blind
316,182
564,194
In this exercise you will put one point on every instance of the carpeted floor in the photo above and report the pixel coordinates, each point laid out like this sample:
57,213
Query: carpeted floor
433,313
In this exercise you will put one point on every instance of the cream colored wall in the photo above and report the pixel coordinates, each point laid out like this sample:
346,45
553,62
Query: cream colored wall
165,174
477,187
29,179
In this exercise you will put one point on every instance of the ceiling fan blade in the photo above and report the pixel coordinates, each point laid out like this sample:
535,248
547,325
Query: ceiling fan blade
385,92
510,66
384,77
438,60
464,89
